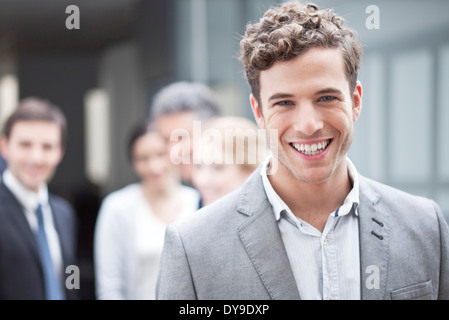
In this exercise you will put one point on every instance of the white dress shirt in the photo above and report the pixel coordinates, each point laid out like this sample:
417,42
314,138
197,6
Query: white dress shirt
29,201
326,265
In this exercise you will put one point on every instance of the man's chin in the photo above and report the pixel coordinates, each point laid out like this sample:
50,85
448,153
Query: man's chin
312,176
33,184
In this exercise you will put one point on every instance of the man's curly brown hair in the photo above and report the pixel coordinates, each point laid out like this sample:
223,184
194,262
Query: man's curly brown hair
288,30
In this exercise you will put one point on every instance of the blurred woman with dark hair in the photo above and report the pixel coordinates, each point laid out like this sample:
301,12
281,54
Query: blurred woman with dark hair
131,224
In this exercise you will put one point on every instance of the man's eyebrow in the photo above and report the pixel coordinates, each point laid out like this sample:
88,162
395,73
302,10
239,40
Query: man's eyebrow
329,90
283,95
280,95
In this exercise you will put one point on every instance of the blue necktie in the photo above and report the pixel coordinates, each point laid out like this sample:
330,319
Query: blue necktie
53,290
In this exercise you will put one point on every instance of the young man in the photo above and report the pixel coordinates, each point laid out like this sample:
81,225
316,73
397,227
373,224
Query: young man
37,229
306,224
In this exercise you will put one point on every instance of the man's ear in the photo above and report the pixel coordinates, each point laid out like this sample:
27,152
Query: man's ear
257,111
61,154
357,98
3,147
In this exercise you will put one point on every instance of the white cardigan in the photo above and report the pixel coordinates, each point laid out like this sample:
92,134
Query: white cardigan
128,243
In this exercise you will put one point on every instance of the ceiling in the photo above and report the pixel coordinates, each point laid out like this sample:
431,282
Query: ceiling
28,25
39,25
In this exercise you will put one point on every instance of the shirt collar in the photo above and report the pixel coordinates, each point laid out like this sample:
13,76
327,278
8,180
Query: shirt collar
352,199
278,205
276,202
26,197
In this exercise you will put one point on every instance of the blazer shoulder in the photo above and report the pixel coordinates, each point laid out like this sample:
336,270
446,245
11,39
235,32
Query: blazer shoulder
59,202
399,202
232,209
61,206
5,193
376,189
8,202
218,213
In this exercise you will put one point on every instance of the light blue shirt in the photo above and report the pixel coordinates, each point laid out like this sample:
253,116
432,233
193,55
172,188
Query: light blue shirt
326,265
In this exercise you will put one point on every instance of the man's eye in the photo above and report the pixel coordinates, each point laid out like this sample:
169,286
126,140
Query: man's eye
47,147
327,98
284,103
25,144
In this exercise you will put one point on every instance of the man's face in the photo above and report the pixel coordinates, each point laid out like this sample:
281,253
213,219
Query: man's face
33,152
308,101
171,123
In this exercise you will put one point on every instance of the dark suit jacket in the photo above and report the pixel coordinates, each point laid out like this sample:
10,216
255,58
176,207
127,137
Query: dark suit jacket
21,274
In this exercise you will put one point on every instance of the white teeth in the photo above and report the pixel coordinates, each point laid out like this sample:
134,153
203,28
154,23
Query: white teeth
313,149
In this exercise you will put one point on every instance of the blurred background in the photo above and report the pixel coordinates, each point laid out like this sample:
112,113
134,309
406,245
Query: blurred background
104,75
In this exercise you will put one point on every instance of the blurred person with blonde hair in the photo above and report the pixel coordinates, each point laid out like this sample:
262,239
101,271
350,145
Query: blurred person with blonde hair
228,151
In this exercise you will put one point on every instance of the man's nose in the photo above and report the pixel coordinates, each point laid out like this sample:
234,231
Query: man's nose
308,119
37,155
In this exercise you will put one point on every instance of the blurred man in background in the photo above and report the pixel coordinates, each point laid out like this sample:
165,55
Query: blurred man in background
37,229
174,110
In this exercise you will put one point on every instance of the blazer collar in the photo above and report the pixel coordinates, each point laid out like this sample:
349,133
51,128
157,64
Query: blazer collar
263,242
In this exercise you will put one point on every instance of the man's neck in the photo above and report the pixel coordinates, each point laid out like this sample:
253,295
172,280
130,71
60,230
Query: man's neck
313,202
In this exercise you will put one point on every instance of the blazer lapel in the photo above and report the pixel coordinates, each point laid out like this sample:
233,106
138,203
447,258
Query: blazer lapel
374,243
15,214
59,226
262,240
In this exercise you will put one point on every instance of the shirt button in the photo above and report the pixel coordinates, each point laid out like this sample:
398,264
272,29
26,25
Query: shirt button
330,298
325,241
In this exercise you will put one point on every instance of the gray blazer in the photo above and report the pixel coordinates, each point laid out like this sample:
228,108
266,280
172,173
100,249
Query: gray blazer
232,249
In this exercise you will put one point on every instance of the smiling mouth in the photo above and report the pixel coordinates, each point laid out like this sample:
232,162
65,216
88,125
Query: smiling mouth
311,149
